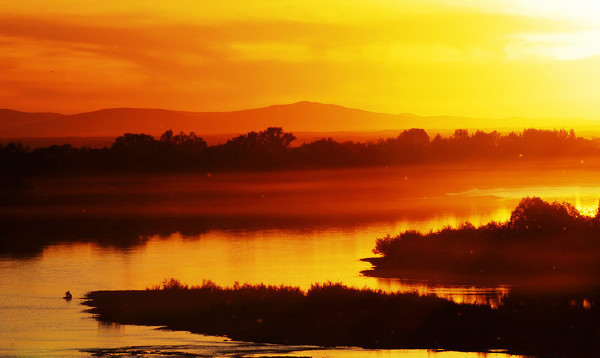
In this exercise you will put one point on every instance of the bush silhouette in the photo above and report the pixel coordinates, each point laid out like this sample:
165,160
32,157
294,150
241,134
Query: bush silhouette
536,214
540,237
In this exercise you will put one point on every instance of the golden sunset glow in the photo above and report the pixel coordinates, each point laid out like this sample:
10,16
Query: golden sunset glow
468,58
315,178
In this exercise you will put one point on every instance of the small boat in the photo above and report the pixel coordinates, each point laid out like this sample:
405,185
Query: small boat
68,296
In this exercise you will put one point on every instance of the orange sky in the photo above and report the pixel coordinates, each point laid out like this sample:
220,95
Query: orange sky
534,58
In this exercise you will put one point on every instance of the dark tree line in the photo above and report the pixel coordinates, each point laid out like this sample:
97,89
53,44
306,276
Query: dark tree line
270,149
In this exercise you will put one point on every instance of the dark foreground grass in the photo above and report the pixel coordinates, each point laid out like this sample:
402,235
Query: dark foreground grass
335,315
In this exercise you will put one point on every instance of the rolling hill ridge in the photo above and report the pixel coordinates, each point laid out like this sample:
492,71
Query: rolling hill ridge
296,117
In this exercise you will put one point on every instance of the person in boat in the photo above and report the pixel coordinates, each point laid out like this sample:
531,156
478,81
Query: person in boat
68,295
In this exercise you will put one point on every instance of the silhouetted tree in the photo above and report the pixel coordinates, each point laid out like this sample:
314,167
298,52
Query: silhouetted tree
265,149
134,141
167,137
537,214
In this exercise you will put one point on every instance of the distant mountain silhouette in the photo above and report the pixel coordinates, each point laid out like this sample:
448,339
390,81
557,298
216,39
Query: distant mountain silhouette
297,117
301,116
23,122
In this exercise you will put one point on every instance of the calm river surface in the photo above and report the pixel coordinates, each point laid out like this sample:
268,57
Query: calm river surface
274,228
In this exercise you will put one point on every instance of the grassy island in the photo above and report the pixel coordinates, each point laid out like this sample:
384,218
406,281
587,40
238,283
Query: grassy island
335,315
547,246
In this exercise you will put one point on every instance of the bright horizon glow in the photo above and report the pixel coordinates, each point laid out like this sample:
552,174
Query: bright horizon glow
476,58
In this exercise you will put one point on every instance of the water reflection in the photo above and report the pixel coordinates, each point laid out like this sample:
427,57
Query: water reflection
277,228
110,328
468,294
303,259
584,198
247,350
397,353
26,237
125,211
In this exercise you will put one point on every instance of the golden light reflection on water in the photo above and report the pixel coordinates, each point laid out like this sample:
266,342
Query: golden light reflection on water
388,353
584,198
467,294
301,258
269,251
301,261
304,257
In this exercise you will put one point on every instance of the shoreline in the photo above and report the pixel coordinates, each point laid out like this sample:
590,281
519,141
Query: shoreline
332,315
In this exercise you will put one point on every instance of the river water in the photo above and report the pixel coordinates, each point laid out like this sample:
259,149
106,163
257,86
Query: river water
294,228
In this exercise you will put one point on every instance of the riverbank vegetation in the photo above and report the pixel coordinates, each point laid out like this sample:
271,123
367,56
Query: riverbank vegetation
271,149
544,240
335,315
